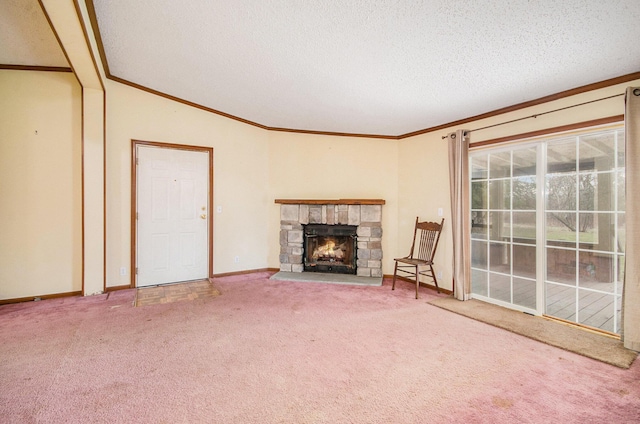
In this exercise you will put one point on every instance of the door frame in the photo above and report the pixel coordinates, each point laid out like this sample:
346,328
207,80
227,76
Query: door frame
134,201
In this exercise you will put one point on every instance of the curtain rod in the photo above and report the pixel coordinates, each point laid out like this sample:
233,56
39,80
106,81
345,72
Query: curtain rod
540,114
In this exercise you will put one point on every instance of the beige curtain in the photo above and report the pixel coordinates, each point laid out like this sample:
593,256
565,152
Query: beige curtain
631,292
460,212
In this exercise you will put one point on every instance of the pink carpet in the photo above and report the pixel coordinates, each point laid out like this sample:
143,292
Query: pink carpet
284,352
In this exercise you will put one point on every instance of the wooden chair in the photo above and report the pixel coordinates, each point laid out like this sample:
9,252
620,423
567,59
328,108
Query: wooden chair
425,241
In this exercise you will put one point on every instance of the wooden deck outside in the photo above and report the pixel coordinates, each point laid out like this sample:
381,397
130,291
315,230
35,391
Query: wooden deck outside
598,305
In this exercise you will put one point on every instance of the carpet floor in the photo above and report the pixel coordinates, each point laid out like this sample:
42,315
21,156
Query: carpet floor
582,342
266,351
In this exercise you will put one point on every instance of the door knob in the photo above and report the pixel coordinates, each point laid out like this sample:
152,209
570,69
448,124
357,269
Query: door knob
203,216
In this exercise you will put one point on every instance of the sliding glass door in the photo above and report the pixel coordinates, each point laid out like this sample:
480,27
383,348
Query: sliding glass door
503,226
548,227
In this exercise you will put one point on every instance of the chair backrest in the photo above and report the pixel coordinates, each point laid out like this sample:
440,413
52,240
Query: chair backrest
427,235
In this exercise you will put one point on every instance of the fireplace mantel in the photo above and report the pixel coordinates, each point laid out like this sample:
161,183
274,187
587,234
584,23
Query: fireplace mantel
365,214
330,202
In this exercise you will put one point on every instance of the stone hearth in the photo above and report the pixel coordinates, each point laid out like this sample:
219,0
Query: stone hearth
366,214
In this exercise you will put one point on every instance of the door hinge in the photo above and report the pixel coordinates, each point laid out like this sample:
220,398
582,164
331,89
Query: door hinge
137,215
136,271
137,161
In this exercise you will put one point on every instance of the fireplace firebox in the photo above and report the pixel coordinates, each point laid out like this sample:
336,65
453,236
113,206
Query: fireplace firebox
330,248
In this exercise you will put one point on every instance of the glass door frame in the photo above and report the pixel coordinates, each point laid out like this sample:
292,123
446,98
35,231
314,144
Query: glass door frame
541,243
539,248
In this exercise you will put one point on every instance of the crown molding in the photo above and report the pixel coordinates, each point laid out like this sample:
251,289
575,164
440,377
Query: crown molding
36,68
523,105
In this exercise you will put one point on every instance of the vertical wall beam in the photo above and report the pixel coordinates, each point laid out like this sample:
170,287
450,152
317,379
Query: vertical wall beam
66,20
93,190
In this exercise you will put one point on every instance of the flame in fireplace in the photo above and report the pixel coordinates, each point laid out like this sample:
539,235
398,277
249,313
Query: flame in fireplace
329,251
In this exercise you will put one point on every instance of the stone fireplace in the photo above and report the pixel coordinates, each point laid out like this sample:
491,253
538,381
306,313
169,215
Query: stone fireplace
363,216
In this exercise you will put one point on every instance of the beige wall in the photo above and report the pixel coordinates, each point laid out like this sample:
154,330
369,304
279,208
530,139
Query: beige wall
240,176
40,184
252,168
305,166
424,171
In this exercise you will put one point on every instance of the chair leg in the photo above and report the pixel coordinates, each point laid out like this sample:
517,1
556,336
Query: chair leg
435,280
417,279
395,271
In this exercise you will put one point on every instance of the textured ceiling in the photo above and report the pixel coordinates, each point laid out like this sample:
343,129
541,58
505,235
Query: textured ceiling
364,67
372,67
25,36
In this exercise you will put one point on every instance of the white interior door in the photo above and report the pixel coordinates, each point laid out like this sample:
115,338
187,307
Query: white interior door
172,215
